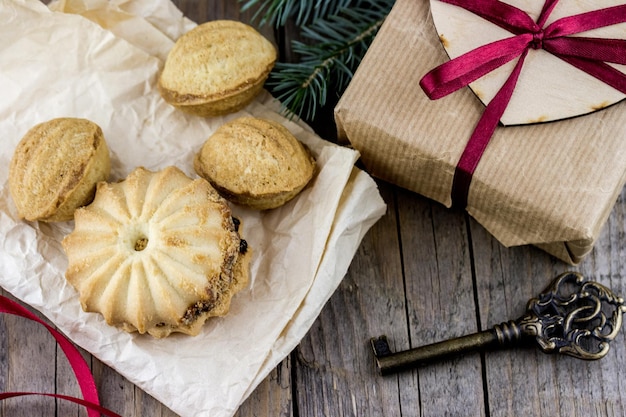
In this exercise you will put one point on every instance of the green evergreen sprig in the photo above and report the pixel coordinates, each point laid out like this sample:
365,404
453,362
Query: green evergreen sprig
278,12
327,62
331,49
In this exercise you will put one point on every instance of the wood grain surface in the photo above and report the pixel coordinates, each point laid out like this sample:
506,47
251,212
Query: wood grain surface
423,273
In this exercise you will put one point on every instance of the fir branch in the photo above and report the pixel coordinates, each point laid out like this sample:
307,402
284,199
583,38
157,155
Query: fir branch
337,45
277,12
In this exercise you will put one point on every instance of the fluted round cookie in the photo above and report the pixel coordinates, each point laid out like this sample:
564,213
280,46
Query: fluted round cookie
55,168
216,68
255,162
156,253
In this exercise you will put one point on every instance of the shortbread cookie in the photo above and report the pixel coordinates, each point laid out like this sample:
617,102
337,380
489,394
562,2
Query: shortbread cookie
157,253
55,168
255,162
216,68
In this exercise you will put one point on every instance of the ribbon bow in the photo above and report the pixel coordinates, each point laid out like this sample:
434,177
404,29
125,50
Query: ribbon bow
588,54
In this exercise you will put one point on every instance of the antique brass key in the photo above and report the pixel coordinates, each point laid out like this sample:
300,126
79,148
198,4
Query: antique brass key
572,316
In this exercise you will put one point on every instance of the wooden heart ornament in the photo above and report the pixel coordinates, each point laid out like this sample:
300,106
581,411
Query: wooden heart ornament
548,88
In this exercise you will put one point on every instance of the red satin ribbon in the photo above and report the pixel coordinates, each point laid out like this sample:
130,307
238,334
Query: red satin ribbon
78,364
587,54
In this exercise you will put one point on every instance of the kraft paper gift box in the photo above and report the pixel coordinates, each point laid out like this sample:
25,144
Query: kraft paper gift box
554,166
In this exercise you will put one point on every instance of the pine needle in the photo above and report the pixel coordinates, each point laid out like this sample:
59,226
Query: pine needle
327,62
277,12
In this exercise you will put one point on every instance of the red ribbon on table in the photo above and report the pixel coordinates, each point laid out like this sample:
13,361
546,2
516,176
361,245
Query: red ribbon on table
585,53
78,364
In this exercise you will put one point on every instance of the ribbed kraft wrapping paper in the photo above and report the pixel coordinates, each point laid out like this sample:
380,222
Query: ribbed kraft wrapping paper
100,60
552,185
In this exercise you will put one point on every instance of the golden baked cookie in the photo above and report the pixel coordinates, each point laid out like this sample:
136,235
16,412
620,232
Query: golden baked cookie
216,68
255,162
55,168
157,253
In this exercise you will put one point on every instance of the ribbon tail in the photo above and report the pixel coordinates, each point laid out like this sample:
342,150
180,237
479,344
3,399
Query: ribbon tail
584,22
596,49
548,6
90,406
600,70
481,137
76,360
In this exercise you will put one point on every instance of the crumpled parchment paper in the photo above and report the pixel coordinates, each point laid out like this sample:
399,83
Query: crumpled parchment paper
100,60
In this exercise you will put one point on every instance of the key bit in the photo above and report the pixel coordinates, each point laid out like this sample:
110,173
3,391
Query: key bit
572,316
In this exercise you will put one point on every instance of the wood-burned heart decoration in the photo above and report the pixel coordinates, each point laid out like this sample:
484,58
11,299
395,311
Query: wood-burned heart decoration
548,87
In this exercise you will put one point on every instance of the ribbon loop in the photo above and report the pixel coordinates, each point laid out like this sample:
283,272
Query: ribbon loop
456,74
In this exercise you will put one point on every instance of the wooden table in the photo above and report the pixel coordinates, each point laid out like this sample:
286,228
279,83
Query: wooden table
422,274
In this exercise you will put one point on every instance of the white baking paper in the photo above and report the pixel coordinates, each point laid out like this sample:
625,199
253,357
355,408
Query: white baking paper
85,59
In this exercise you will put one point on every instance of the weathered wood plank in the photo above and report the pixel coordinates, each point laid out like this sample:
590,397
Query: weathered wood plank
123,397
335,373
273,396
506,279
440,305
146,405
67,384
27,360
528,382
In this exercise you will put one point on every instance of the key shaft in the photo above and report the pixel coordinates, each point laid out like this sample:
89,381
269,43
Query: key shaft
503,335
